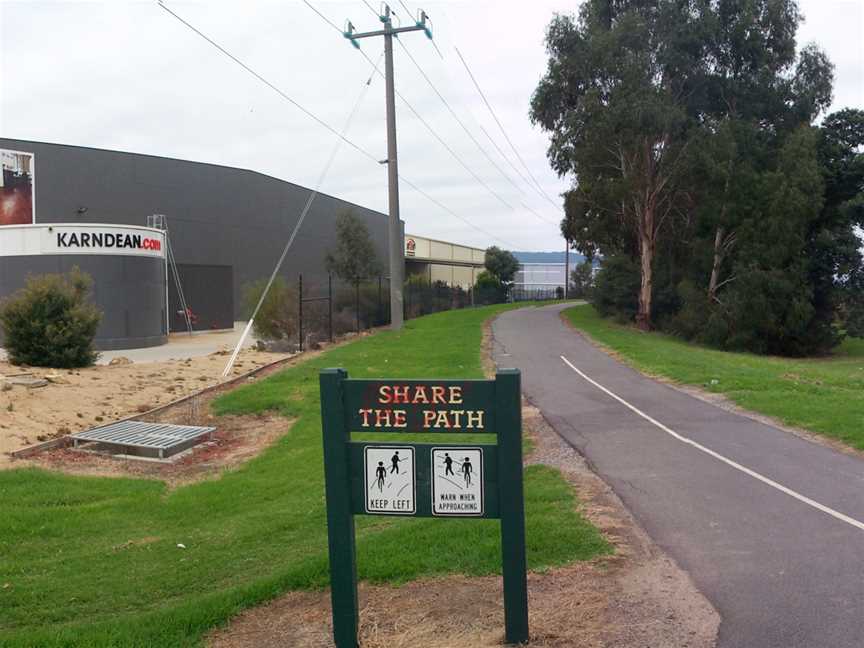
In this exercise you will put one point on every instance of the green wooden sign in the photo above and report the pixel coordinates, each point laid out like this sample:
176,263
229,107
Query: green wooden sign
422,479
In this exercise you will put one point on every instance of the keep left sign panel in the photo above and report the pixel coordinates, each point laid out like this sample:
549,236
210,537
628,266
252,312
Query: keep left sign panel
391,480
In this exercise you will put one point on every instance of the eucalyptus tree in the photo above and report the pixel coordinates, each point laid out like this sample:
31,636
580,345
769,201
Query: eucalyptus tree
617,99
673,119
834,239
758,90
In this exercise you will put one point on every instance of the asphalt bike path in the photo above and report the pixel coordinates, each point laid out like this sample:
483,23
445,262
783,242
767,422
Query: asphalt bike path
769,525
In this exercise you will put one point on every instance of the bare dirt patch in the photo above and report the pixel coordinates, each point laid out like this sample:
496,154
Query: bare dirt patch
236,440
76,400
124,390
636,597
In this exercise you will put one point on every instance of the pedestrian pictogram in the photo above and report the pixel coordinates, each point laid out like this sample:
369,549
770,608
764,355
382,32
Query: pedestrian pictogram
390,480
457,481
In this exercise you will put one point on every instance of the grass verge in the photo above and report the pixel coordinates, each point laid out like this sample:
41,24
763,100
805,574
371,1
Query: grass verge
97,562
823,395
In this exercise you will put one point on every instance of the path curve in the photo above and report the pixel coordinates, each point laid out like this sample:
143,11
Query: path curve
769,525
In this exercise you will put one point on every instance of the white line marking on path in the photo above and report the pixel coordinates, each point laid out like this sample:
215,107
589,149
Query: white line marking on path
765,480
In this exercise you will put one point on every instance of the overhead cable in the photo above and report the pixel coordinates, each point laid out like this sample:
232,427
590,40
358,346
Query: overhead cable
320,121
311,198
431,40
276,89
501,127
456,117
440,139
449,149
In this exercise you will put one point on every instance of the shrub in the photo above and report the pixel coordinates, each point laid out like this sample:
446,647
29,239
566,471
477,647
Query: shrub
582,280
373,311
691,320
51,322
489,289
501,264
616,288
277,318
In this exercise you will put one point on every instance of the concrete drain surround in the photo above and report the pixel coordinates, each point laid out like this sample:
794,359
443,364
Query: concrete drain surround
141,439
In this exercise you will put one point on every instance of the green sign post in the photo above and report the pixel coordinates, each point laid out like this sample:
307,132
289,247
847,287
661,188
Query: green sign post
422,479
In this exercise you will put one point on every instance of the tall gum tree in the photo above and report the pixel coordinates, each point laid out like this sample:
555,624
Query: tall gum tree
757,91
616,99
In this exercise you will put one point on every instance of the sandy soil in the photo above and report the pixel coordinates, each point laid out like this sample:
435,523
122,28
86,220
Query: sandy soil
635,598
84,398
236,440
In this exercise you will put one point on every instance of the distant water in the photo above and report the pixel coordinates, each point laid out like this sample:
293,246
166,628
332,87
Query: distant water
549,257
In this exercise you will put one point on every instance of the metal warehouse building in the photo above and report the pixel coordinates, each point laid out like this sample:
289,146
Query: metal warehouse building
227,227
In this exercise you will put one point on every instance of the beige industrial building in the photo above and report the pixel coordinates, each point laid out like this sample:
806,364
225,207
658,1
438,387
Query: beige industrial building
434,260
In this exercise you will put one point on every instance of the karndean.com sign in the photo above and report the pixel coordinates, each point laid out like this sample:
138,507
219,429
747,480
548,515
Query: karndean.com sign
83,239
107,240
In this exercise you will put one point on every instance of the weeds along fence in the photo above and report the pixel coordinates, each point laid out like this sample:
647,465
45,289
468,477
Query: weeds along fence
518,294
328,307
315,309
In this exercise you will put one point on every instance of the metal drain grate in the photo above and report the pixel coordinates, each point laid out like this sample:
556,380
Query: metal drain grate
145,439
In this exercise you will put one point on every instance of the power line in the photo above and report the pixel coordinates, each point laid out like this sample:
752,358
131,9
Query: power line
266,82
420,117
320,121
431,40
456,117
501,127
447,146
323,17
438,137
480,126
309,201
536,187
405,7
374,13
482,150
485,132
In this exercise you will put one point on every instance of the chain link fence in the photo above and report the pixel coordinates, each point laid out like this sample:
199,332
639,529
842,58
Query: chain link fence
320,309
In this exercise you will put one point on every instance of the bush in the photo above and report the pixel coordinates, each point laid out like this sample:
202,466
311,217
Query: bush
277,318
582,280
51,322
423,297
616,288
373,311
489,290
691,320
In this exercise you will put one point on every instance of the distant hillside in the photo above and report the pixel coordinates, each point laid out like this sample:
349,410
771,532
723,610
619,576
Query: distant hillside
548,257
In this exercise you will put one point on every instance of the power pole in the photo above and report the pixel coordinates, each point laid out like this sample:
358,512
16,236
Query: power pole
394,243
566,268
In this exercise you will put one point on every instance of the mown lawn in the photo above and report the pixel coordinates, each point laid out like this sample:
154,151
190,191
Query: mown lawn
95,561
825,395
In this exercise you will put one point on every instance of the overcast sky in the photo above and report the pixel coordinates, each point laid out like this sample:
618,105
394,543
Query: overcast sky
127,76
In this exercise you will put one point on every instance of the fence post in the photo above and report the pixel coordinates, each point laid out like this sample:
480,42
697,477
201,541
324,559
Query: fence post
300,315
330,304
357,303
